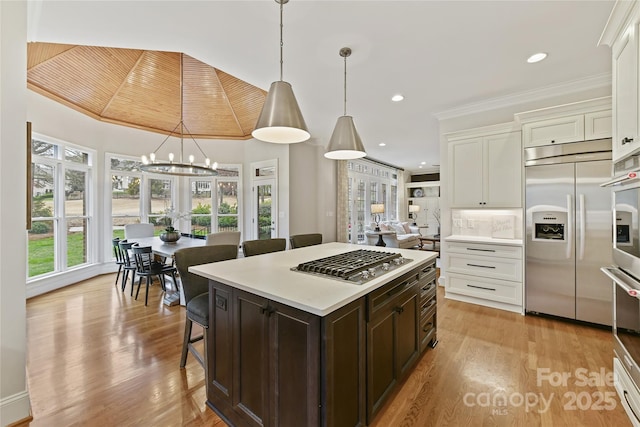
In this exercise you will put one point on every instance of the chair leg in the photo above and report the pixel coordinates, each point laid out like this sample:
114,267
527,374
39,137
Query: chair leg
138,291
125,276
146,295
188,326
118,275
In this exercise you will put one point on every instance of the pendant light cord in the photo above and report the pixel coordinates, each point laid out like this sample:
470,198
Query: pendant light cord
345,86
181,107
281,43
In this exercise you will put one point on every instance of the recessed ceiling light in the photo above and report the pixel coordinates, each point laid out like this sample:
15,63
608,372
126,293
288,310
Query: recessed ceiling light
423,163
397,98
536,57
382,144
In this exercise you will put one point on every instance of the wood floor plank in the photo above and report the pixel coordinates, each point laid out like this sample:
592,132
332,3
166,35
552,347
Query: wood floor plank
96,356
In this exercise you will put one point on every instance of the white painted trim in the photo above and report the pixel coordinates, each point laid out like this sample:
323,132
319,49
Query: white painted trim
582,107
618,20
594,82
15,408
51,283
483,131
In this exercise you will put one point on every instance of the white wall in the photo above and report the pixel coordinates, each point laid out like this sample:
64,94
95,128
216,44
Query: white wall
14,398
312,191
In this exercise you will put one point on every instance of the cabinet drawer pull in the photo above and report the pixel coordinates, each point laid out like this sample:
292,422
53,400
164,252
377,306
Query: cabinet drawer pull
481,250
397,289
427,327
427,307
399,310
626,140
482,266
482,287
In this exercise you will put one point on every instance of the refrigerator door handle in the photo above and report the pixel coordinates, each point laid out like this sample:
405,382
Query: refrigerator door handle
582,229
570,220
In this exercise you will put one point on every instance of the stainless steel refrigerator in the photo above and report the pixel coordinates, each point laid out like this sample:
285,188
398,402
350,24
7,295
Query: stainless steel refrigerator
568,231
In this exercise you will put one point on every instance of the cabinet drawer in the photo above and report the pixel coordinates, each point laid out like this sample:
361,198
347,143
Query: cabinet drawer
491,289
428,290
427,332
380,298
553,131
428,309
497,268
487,249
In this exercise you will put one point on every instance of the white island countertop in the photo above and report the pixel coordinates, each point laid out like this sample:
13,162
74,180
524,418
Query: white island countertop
270,276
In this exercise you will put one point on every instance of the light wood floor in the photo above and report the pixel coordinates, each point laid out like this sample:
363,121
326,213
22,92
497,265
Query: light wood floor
98,357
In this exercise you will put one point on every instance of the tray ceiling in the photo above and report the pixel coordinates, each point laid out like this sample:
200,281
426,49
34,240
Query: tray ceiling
141,89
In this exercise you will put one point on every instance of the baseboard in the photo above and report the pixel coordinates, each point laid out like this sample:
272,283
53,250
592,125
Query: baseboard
15,409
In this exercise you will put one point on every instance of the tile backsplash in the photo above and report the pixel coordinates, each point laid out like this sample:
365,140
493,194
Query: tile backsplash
496,223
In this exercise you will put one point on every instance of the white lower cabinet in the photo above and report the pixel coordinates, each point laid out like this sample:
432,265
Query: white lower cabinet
485,273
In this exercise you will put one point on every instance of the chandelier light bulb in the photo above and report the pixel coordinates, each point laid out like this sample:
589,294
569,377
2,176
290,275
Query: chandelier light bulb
171,157
152,156
145,161
215,165
191,158
207,162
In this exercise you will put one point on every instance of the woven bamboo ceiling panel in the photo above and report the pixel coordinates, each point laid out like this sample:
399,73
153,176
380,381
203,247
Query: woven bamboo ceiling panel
142,89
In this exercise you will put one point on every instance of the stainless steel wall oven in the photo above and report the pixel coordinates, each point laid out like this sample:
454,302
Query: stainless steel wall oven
625,274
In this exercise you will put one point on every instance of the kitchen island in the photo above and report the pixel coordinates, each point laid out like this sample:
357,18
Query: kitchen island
293,348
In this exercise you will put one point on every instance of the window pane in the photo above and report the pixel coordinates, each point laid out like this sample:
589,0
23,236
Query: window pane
160,204
43,149
43,183
76,156
76,241
125,164
125,202
201,207
227,197
41,248
74,190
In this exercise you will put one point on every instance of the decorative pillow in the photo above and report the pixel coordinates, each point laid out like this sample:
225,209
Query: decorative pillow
398,228
405,225
384,227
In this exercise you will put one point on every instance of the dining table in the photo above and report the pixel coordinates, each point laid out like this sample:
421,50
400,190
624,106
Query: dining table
167,250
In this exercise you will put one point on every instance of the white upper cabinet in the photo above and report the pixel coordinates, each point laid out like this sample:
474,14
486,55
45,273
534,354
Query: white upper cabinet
579,121
621,34
486,168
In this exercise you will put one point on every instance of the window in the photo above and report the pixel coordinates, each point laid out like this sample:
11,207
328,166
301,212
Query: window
216,201
370,183
138,197
61,213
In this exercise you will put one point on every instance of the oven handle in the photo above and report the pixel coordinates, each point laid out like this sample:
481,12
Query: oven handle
630,286
629,176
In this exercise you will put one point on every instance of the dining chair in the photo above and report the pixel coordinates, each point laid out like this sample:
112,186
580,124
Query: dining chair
117,253
134,231
302,240
129,263
224,238
148,267
264,246
196,294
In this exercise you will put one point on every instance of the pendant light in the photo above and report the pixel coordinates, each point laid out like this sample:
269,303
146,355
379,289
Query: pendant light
345,143
280,120
179,168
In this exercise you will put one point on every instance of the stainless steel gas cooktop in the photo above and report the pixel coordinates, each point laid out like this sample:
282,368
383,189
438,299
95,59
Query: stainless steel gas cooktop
356,267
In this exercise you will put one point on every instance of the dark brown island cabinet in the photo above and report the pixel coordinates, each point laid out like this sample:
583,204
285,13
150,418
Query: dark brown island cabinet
270,364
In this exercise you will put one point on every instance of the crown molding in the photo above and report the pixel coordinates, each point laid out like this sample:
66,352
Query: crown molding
593,82
617,22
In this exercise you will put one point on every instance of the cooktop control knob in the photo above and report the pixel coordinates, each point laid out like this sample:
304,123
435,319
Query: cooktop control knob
385,266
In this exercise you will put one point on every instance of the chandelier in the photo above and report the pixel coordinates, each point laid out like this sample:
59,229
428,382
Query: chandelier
180,167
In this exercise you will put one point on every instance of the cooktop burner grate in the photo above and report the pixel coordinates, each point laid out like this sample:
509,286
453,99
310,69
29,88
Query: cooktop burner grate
358,265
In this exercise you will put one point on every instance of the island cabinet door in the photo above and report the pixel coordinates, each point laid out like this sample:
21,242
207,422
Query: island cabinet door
407,335
294,366
250,359
219,349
